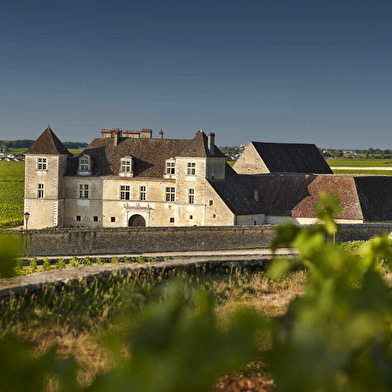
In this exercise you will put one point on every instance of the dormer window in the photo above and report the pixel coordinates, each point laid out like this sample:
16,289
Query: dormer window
42,164
84,168
126,167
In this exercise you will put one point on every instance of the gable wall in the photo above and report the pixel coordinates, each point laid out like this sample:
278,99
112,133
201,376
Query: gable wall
250,162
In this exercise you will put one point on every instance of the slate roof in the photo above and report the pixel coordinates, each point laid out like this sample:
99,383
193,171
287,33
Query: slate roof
149,155
292,158
48,143
366,198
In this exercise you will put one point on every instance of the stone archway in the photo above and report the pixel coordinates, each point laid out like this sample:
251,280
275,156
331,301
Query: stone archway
136,220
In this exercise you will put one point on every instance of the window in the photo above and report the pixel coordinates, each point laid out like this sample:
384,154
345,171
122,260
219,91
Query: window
84,164
142,193
191,169
126,165
191,196
191,217
125,192
41,191
112,219
95,219
78,218
171,220
211,203
42,164
170,167
170,194
214,216
83,191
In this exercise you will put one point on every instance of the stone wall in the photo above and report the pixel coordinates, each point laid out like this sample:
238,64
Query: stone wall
73,242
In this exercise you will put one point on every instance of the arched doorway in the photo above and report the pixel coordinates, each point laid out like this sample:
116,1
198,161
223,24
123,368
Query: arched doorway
136,220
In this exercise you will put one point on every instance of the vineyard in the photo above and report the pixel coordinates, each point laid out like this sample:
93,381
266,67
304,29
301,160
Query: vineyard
11,193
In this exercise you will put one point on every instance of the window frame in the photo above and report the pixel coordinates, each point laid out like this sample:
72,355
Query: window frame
84,191
143,192
191,169
170,167
125,192
42,163
170,194
191,195
41,191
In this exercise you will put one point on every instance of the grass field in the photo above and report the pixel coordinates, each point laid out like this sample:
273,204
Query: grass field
23,150
359,162
11,193
372,172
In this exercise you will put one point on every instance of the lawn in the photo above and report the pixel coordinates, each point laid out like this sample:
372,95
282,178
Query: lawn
11,193
372,172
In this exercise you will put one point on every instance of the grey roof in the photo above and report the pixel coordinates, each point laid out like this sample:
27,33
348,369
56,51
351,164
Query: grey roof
366,198
48,143
292,158
149,155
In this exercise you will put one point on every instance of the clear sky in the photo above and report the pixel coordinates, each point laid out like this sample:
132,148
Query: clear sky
312,71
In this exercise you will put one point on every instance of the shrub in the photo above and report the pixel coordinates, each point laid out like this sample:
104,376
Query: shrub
33,265
74,262
87,262
99,261
141,259
127,260
114,260
46,264
60,264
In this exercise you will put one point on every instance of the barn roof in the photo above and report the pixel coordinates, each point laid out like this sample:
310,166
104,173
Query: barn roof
292,158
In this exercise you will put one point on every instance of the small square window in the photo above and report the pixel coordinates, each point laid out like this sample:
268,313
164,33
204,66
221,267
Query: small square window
112,219
191,169
214,216
95,219
171,220
78,218
190,216
211,203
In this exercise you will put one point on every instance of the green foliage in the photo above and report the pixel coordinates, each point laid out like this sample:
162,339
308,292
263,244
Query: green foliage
74,262
337,337
99,261
11,193
114,260
46,264
127,260
179,345
153,260
87,262
141,260
33,265
9,249
61,264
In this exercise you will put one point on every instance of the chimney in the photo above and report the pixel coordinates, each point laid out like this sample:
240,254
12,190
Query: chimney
132,134
211,143
116,134
146,133
106,133
161,134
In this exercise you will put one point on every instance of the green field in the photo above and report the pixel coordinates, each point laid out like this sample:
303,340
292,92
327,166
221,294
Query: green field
372,172
11,193
18,151
360,162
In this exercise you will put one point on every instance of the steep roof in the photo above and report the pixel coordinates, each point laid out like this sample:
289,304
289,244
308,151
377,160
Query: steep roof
292,158
149,155
198,147
48,143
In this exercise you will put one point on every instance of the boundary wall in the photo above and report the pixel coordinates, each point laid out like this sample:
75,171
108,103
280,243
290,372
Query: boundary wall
99,241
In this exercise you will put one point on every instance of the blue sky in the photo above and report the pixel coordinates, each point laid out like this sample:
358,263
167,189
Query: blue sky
278,70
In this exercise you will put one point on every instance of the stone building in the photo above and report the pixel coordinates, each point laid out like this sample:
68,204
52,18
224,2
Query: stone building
129,178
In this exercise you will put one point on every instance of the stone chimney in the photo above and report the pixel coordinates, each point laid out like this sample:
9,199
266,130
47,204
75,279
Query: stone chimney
211,143
132,134
161,134
116,134
146,133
